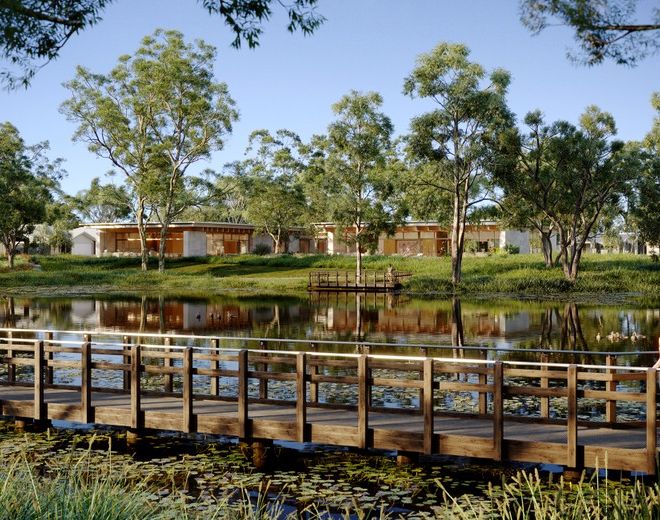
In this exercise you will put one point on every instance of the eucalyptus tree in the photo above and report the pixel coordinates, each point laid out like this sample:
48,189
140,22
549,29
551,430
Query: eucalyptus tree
153,116
276,201
524,170
34,31
453,144
356,177
28,181
644,208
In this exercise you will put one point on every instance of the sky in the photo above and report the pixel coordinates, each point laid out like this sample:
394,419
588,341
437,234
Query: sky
290,81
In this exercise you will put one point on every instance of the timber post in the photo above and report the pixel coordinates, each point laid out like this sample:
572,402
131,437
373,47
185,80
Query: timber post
127,357
215,365
610,386
187,391
428,411
544,383
363,401
571,419
263,383
243,413
48,344
498,410
301,397
39,404
135,387
86,410
168,362
11,368
651,420
313,372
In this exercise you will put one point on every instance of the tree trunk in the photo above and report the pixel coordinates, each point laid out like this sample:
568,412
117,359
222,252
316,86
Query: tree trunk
161,247
10,258
144,254
546,246
457,241
358,264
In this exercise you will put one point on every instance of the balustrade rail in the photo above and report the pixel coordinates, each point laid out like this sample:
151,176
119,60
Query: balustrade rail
83,377
348,280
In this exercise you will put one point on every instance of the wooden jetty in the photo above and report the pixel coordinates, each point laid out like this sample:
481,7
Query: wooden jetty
227,386
369,281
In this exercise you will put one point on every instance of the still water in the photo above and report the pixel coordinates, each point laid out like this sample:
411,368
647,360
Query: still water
378,318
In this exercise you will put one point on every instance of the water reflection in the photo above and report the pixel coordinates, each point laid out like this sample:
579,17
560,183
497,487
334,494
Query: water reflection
345,316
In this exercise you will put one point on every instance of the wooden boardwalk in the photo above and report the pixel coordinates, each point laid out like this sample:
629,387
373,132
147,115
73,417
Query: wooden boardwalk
205,387
369,281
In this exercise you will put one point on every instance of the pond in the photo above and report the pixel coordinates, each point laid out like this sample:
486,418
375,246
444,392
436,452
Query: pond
509,324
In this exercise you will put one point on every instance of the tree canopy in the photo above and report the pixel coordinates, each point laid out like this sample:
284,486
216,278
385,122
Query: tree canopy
27,184
604,29
33,32
153,116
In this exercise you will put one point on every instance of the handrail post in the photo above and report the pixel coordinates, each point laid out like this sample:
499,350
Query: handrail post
127,359
86,415
610,386
545,400
498,410
242,393
314,371
215,365
11,368
428,411
168,363
187,381
571,420
651,420
424,352
483,380
135,386
301,397
38,381
363,400
263,383
49,357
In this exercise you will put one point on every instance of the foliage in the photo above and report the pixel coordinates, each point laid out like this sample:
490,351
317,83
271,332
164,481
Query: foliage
604,29
644,210
34,31
102,203
157,113
27,182
275,198
512,249
452,144
261,250
355,174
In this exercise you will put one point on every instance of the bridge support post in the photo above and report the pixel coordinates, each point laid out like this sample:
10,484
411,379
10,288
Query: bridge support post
651,420
313,371
263,383
544,383
261,452
126,360
86,410
169,363
610,386
215,365
49,357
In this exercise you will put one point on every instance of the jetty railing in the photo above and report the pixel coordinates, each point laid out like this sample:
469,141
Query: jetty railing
369,280
203,372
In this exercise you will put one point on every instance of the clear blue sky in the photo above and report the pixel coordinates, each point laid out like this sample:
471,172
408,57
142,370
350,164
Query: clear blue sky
290,81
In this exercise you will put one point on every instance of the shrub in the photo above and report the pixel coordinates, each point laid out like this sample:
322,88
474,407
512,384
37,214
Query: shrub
262,249
512,249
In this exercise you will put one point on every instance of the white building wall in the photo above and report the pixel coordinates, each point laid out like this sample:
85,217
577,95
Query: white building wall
515,238
261,239
194,243
85,242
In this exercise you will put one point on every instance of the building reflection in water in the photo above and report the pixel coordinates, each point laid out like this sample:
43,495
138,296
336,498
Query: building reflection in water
347,316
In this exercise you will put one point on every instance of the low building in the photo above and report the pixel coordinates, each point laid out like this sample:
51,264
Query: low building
184,239
427,239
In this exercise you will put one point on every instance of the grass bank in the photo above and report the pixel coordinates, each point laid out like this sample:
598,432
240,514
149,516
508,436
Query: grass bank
513,275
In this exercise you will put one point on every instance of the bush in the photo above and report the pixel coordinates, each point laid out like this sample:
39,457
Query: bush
512,249
262,249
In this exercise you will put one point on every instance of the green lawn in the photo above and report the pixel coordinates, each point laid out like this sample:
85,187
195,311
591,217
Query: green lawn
287,274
